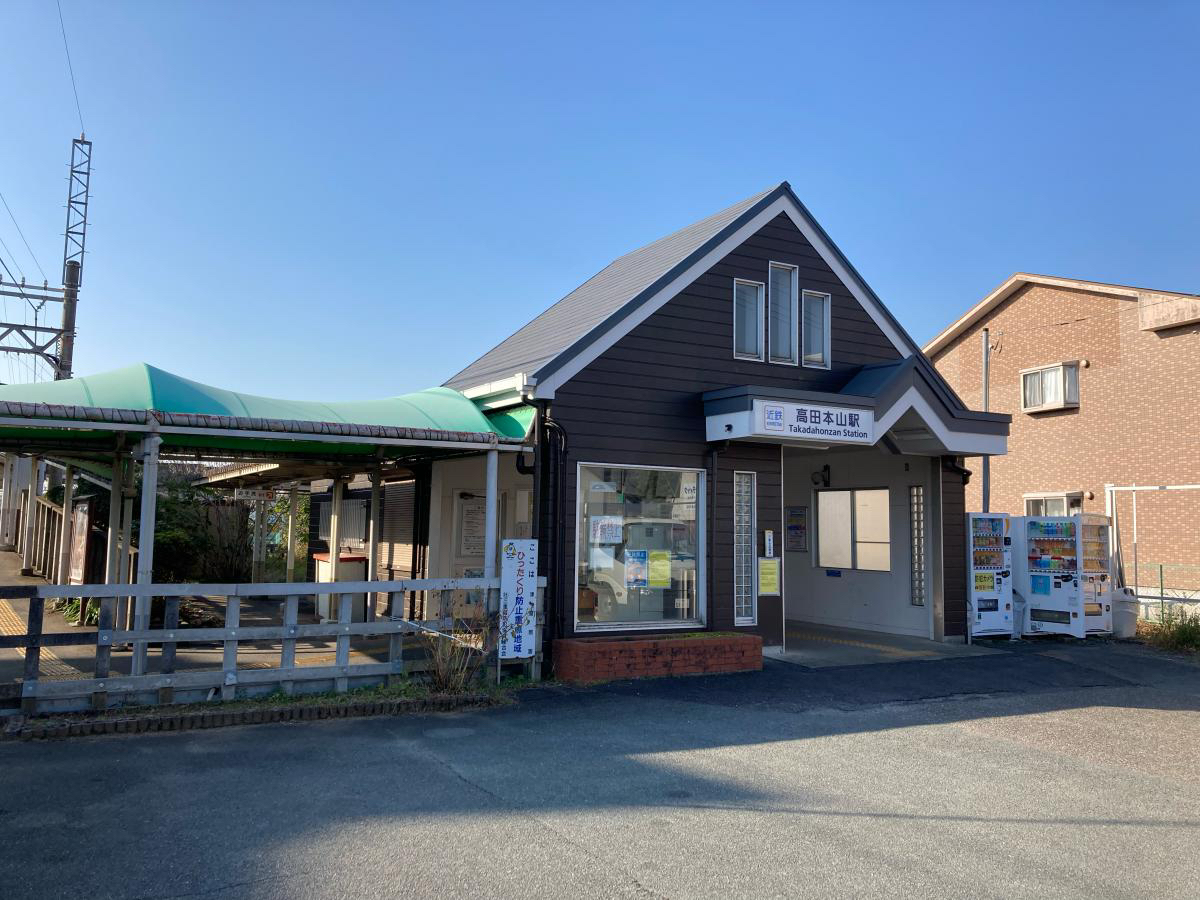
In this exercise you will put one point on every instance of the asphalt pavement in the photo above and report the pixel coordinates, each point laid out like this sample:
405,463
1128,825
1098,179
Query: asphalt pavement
1051,770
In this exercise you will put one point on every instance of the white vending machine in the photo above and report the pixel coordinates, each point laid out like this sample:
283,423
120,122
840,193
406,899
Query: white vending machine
1097,579
989,565
1048,574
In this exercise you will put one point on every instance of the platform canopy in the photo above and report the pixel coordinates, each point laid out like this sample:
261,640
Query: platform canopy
92,415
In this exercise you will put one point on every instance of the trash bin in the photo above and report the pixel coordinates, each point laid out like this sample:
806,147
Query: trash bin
1125,612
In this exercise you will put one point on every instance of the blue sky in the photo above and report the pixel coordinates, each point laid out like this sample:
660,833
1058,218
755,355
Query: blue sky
356,199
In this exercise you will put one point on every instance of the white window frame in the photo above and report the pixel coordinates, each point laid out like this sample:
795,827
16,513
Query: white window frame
752,619
762,320
701,555
854,541
797,331
1069,498
826,350
1062,386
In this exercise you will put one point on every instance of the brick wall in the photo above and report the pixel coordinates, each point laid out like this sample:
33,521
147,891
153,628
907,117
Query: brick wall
1138,419
587,660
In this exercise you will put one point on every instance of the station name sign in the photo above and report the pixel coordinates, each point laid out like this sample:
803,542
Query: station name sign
814,422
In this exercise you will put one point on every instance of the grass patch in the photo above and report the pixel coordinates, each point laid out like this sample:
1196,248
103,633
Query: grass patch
1179,631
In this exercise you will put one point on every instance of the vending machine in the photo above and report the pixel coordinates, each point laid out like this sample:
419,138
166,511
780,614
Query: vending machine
989,565
1097,579
1048,574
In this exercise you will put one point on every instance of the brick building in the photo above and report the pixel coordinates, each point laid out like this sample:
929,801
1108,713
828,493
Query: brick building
1103,384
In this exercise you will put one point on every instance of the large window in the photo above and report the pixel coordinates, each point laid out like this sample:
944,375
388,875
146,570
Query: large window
640,546
785,311
1050,387
854,530
1067,504
747,319
816,330
744,545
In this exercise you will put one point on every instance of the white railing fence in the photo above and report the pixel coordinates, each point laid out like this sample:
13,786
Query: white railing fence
154,670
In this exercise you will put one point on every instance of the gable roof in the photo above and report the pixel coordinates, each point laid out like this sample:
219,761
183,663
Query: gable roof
554,346
594,301
1019,280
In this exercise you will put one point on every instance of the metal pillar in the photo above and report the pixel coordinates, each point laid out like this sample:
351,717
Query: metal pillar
490,529
30,513
6,538
64,532
123,576
66,341
373,544
291,535
987,460
145,566
113,548
256,545
335,528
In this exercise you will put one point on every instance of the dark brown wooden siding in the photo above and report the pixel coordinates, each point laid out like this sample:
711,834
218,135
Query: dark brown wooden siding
954,550
640,402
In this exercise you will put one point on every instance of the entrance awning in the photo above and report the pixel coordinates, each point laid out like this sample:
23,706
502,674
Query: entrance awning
895,404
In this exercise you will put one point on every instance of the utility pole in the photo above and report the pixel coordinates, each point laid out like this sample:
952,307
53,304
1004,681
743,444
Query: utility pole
56,346
987,468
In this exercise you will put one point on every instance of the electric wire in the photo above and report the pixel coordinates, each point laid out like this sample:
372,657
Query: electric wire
70,68
22,234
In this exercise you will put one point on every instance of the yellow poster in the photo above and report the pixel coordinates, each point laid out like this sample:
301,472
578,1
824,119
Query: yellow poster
660,569
768,576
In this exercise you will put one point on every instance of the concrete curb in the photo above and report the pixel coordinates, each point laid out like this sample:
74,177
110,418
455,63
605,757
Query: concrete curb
19,728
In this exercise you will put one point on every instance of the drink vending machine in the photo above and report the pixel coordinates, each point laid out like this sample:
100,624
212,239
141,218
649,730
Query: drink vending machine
1097,578
1062,568
990,611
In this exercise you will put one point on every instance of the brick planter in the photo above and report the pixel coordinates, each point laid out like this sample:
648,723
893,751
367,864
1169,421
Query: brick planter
588,660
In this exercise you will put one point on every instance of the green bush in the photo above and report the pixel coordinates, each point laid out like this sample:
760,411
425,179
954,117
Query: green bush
1179,631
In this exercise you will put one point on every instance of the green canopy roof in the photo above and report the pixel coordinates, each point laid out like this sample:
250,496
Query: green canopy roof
145,387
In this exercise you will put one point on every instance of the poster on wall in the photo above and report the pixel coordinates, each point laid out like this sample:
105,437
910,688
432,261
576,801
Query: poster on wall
768,576
660,569
796,528
471,525
80,525
518,599
636,564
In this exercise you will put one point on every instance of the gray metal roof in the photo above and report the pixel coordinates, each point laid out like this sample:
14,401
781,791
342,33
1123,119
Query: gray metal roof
597,299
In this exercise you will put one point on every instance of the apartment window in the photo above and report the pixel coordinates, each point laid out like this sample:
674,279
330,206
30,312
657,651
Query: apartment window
816,330
916,516
744,593
1050,387
747,319
1066,504
853,530
784,303
640,546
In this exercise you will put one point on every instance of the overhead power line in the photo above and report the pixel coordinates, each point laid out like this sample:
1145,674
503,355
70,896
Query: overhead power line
70,68
22,234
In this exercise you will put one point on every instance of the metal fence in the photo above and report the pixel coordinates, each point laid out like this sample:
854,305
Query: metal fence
156,677
1165,587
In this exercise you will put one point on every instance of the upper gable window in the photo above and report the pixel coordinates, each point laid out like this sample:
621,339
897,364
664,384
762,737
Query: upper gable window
816,330
1050,387
748,319
782,322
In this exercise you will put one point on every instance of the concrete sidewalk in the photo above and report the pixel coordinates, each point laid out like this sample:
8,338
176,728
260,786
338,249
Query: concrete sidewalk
1051,771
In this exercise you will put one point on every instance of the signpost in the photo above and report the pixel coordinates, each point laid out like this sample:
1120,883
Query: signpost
518,599
816,422
253,494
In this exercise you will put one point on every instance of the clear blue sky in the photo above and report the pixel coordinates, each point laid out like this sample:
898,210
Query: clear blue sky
356,199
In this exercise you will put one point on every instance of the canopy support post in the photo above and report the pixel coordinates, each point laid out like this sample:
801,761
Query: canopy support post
6,504
30,514
373,544
491,505
64,533
291,535
113,547
145,566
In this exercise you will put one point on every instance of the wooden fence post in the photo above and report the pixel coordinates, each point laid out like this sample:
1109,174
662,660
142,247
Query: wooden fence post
287,655
341,683
233,615
166,694
104,629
